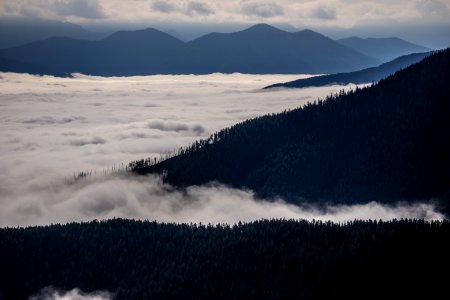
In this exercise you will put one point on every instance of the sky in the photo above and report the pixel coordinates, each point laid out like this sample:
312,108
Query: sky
421,21
52,128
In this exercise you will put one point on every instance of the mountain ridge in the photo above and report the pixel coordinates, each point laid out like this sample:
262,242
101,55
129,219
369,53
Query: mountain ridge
368,75
258,49
384,49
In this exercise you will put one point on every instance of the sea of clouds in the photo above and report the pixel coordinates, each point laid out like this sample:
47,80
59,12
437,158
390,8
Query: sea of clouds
52,128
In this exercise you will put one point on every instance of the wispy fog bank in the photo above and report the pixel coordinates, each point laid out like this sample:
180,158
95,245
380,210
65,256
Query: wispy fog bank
52,128
126,196
49,293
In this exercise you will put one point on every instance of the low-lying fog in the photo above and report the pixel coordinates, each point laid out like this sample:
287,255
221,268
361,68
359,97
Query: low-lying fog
52,128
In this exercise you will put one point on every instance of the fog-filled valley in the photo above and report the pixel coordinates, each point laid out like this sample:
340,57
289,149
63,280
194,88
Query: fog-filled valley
192,149
54,128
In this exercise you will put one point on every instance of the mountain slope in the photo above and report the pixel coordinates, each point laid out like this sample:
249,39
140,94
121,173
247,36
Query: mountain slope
8,65
387,143
368,75
259,49
384,49
260,260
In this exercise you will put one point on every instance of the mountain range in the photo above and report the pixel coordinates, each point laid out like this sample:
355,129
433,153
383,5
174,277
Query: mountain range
384,49
368,75
18,31
258,49
387,142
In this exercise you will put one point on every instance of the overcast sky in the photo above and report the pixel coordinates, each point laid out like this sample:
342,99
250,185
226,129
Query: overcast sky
426,21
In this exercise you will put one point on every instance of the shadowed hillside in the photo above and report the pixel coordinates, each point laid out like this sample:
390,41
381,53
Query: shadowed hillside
386,143
260,260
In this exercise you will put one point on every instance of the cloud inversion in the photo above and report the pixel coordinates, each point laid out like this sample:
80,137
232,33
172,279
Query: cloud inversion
54,128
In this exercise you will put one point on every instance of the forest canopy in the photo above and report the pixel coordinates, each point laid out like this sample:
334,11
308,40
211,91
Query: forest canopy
267,259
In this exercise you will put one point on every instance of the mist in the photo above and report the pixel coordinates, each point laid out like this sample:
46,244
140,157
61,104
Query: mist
50,293
54,128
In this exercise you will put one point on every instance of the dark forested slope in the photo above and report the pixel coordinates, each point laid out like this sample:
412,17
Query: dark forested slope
259,260
388,142
368,75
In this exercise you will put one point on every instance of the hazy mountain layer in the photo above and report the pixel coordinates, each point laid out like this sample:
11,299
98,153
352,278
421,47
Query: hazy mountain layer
384,49
20,31
259,49
368,75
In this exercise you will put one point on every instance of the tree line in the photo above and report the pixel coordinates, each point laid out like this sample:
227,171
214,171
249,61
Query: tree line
266,259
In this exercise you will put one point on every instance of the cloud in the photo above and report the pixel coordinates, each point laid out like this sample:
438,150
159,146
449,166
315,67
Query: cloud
263,10
174,126
127,196
163,6
50,293
323,13
89,9
50,134
87,141
198,8
48,120
430,8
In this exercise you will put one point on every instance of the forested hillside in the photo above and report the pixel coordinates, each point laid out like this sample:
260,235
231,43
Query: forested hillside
261,260
388,142
368,75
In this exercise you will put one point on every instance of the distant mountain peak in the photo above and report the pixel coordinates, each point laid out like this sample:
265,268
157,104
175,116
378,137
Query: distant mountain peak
262,27
310,33
142,33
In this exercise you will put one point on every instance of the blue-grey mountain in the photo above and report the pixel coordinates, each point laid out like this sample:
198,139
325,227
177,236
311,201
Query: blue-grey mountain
384,49
259,49
20,31
368,75
266,49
